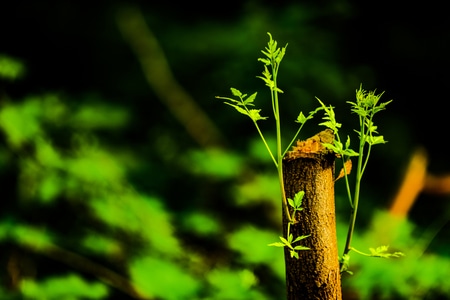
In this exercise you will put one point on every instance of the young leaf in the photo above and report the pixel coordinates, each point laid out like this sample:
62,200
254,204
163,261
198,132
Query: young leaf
299,238
285,242
236,92
264,60
301,248
350,152
290,238
298,198
382,252
250,99
276,244
301,118
291,202
239,109
254,115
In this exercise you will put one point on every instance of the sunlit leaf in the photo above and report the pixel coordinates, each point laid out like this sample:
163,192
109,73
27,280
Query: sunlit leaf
235,92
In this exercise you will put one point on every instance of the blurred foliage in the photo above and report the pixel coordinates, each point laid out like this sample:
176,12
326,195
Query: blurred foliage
10,68
105,195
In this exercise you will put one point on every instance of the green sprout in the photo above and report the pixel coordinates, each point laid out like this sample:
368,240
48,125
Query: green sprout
273,55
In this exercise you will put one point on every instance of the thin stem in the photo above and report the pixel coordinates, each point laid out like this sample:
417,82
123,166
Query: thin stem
354,211
369,148
274,94
266,145
367,159
347,183
357,251
293,140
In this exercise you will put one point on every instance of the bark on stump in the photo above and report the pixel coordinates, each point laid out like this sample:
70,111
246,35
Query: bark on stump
309,167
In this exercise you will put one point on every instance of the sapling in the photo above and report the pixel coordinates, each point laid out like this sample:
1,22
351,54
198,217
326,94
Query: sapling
366,106
272,60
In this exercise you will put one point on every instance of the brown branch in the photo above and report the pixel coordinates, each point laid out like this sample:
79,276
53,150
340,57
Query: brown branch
412,185
159,76
418,180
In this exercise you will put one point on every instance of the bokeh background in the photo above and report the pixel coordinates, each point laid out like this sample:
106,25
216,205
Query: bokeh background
123,177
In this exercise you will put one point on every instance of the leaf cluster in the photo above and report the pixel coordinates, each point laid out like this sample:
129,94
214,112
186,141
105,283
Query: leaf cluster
296,204
288,243
366,106
241,104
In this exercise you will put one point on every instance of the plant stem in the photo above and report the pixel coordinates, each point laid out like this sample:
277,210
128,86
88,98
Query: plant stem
293,140
355,202
266,145
274,94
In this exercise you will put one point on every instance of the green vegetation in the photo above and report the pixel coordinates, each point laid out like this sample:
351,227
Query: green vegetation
366,106
106,196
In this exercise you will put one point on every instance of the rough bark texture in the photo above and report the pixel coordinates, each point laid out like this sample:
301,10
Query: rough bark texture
310,168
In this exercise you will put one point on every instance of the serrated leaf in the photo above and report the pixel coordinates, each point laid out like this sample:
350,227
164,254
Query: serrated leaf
254,115
298,198
382,252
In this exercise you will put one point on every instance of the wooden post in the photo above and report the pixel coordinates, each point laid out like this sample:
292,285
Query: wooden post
309,167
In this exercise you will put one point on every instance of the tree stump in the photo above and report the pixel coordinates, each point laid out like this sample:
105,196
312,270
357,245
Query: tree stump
309,167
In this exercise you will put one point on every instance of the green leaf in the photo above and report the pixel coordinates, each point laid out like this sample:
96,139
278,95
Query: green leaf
301,248
254,115
336,147
264,60
345,263
373,140
285,241
238,102
236,92
239,109
347,143
382,252
294,254
291,202
298,198
350,152
276,244
299,238
301,118
250,99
